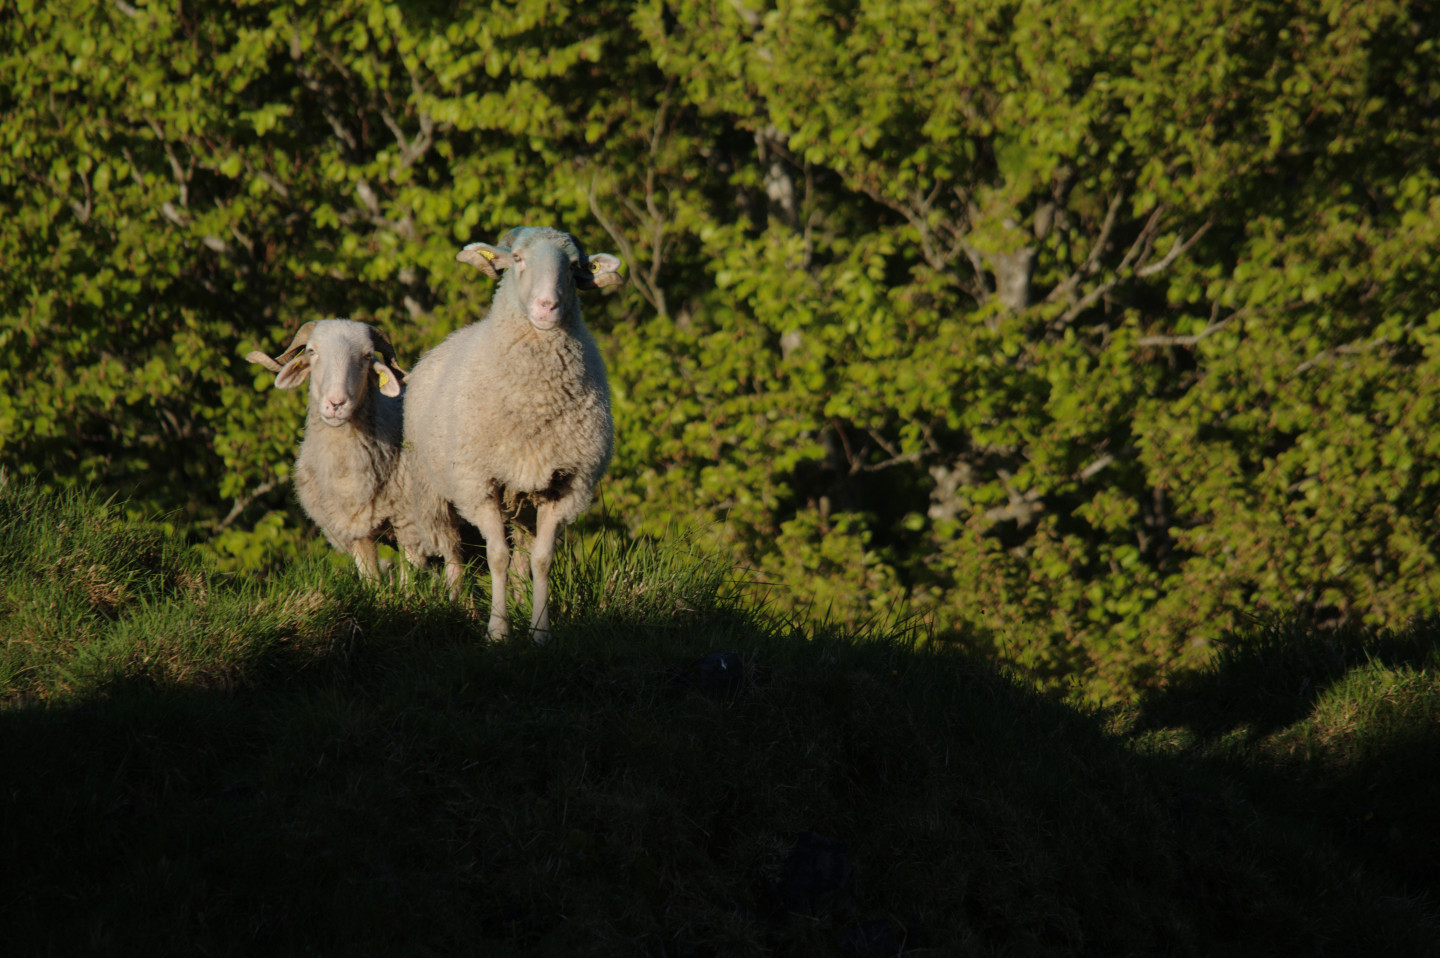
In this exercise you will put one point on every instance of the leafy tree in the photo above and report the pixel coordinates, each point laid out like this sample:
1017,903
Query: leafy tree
1111,276
1085,330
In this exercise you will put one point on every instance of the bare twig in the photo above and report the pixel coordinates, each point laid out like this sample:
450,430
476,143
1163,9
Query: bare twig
1176,251
1133,263
180,172
900,460
1023,507
411,148
1349,349
1091,265
897,458
643,281
1144,244
1189,340
82,211
915,214
271,181
1095,467
752,19
243,502
1215,326
651,218
367,196
1022,512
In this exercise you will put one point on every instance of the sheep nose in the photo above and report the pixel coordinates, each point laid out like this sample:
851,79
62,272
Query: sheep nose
545,304
333,406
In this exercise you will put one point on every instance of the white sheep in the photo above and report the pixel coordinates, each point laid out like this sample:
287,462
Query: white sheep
514,409
348,474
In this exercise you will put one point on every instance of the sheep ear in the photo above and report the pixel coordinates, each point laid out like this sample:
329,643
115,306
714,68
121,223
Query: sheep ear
390,380
294,372
297,345
598,270
256,356
385,355
490,260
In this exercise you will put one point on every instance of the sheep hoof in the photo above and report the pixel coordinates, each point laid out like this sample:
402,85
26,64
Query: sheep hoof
499,629
541,636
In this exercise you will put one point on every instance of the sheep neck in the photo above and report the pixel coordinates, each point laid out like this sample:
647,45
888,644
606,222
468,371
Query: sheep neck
544,357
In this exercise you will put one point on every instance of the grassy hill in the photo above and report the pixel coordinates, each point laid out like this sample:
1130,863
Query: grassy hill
191,763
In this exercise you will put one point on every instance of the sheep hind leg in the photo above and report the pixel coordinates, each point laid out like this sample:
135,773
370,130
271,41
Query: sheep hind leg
491,523
454,572
542,553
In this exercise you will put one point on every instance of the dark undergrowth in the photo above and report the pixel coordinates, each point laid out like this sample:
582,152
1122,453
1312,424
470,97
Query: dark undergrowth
304,765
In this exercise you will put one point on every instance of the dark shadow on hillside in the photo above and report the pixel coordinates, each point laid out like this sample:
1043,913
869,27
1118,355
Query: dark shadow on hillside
408,789
1272,676
1307,717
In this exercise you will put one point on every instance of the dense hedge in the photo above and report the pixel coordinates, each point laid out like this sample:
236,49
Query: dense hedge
1085,329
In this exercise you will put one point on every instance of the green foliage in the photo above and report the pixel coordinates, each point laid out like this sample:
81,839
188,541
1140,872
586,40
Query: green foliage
1082,330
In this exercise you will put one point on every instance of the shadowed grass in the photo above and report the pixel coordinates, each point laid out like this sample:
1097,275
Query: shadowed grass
308,765
1342,727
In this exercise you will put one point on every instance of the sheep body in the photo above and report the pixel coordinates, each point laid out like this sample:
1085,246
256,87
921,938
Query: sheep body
515,408
472,429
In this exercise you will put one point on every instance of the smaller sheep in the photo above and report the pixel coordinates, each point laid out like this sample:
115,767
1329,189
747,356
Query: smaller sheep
347,474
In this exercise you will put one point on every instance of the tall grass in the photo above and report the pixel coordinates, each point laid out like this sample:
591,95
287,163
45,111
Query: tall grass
305,765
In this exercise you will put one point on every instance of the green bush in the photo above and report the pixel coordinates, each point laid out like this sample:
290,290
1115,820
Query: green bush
1082,330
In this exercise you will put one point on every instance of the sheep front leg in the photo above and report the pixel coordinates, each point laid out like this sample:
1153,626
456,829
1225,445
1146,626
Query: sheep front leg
542,553
491,522
366,559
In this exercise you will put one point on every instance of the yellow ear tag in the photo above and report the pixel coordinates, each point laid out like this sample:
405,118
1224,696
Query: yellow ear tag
594,267
383,379
487,254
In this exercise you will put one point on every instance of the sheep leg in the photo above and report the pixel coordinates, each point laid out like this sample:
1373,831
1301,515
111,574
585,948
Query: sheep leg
491,522
454,571
542,552
365,559
402,571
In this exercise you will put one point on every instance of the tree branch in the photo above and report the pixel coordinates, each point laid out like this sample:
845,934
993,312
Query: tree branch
1348,349
1095,467
1132,264
652,220
1192,339
1176,251
1097,250
243,502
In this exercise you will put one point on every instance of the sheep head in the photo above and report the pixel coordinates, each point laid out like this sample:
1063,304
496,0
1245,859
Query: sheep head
543,267
341,358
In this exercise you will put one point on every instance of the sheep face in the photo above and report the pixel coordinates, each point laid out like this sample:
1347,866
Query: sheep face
341,358
543,268
542,281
